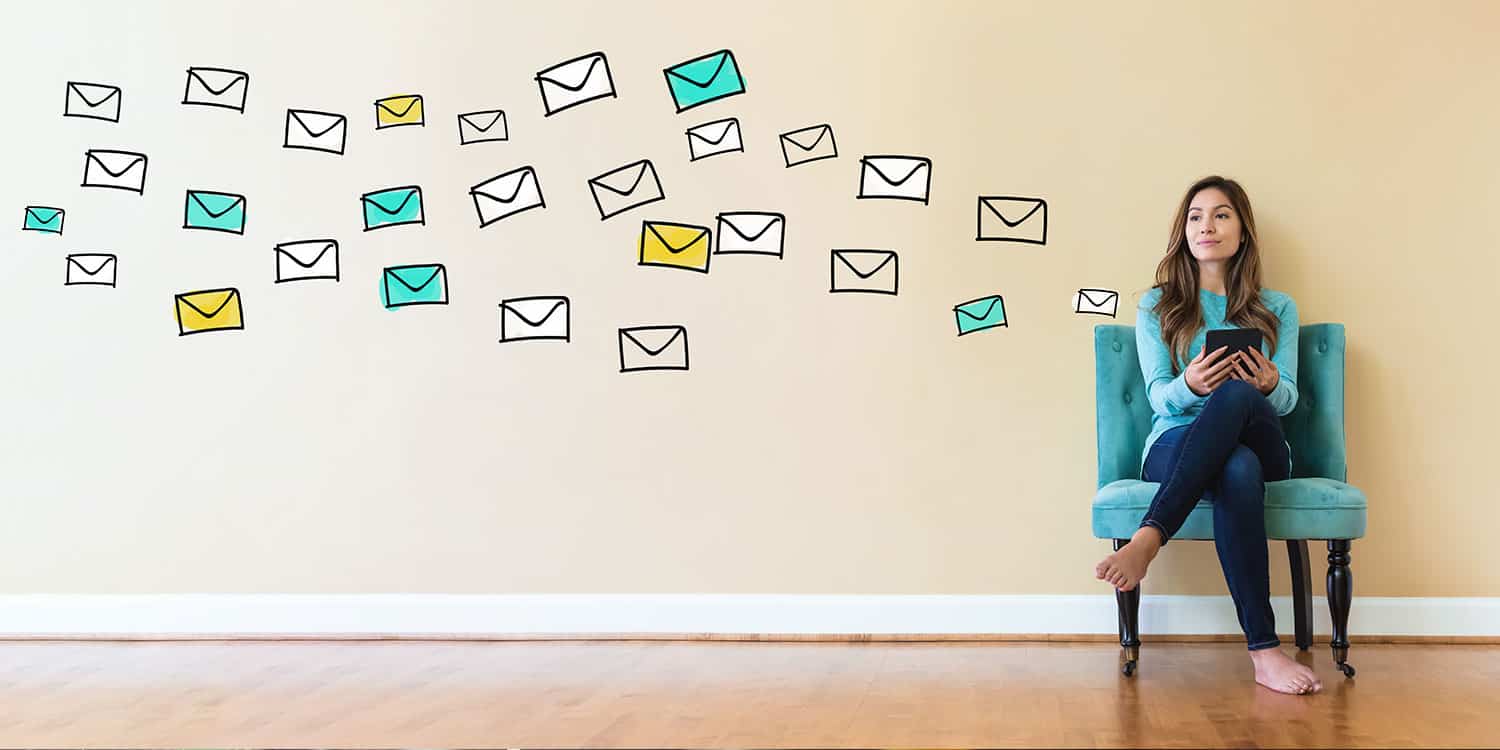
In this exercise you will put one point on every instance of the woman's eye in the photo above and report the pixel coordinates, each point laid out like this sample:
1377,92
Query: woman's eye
1223,216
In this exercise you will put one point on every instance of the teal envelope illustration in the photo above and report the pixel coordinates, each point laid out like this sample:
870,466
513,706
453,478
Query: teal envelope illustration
43,219
217,212
980,314
393,207
704,79
425,284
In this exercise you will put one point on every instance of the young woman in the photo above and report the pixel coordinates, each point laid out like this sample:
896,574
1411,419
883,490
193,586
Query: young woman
1216,419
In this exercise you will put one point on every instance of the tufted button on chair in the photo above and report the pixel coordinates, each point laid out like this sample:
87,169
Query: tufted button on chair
1316,503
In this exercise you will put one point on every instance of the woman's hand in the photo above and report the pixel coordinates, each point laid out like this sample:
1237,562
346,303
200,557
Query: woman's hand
1256,370
1207,371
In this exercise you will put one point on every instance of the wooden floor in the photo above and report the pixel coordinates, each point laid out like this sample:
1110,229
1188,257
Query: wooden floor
391,694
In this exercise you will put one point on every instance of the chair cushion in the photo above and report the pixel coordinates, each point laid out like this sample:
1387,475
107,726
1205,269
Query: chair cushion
1307,508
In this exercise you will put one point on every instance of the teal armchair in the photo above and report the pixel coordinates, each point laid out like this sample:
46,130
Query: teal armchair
1316,503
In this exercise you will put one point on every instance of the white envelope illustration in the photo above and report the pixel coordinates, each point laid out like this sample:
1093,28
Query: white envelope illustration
303,260
316,131
534,319
808,144
96,101
507,195
92,269
630,186
1097,302
119,170
1007,218
866,271
751,232
717,137
653,348
481,126
216,87
899,177
569,84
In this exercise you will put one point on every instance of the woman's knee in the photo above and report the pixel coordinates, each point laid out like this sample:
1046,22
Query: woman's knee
1241,390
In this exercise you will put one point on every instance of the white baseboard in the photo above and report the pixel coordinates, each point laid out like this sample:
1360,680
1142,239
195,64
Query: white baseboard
443,614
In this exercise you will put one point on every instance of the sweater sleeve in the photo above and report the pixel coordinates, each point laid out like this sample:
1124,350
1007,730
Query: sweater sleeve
1169,396
1284,396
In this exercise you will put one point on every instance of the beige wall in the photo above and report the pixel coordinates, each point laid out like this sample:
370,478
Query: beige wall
821,443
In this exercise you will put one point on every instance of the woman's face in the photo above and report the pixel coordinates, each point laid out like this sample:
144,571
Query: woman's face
1213,226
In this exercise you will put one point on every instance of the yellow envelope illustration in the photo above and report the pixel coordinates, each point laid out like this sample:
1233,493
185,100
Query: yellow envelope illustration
394,111
209,310
675,245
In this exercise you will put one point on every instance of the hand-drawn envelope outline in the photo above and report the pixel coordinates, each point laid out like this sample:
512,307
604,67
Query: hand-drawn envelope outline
45,219
638,356
302,269
661,251
96,277
1097,302
216,96
532,319
738,235
203,315
891,176
727,141
214,219
690,88
385,215
314,131
1021,219
864,281
499,197
978,314
92,107
480,127
399,111
638,194
420,293
558,91
123,176
805,145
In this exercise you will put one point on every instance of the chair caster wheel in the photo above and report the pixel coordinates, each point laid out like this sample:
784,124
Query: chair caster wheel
1346,669
1129,669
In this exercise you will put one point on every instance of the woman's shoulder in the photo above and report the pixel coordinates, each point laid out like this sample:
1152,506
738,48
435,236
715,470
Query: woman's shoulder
1276,300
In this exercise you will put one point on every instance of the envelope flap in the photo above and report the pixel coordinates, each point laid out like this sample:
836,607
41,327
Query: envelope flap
385,199
979,309
1098,296
209,303
124,160
399,106
561,75
316,124
852,259
535,311
722,127
702,71
669,333
895,169
476,120
510,182
624,172
101,92
822,132
750,226
215,204
315,249
686,236
83,259
1005,208
415,278
226,78
43,215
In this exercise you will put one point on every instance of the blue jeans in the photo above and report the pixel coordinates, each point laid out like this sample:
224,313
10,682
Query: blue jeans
1228,453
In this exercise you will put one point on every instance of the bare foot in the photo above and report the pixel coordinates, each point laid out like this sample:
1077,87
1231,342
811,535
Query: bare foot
1282,673
1126,567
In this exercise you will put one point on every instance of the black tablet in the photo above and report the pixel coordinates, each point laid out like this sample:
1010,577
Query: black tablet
1237,339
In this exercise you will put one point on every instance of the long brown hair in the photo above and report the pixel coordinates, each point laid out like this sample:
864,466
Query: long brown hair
1179,310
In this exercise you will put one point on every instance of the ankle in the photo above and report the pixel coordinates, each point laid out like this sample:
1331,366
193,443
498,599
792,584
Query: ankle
1147,536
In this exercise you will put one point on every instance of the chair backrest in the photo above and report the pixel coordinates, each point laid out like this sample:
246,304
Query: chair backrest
1314,428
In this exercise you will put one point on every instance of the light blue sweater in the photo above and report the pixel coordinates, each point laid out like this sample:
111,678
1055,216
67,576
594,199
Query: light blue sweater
1174,404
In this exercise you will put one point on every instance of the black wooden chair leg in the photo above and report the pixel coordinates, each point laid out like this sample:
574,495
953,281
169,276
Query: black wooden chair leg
1129,605
1296,551
1340,596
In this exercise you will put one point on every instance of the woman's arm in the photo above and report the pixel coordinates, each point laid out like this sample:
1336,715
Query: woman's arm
1283,396
1168,395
